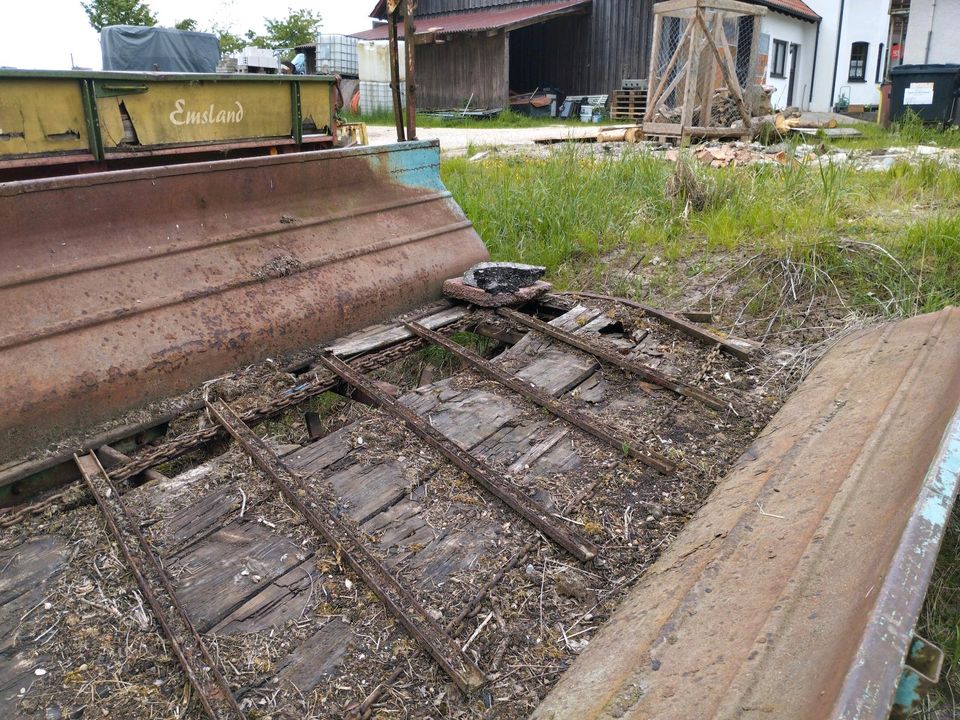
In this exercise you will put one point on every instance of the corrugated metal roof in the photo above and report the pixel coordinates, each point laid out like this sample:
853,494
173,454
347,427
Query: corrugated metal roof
483,20
796,8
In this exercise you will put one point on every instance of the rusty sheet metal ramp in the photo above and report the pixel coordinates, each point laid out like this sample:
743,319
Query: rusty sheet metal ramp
198,664
793,593
125,287
319,507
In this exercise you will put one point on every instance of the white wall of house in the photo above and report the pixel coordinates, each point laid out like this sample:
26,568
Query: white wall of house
794,32
935,23
863,21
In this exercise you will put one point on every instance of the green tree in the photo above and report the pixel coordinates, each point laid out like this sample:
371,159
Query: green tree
102,13
186,24
298,28
230,42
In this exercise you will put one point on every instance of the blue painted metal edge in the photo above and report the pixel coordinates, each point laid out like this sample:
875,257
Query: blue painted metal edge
872,683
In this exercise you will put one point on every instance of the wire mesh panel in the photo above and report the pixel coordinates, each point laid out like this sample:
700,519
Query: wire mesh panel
703,60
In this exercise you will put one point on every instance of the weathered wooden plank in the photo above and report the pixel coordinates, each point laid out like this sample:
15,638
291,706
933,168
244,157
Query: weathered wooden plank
323,453
396,513
491,480
212,690
738,347
609,356
556,371
401,526
575,319
285,598
224,570
453,553
366,490
24,572
318,506
381,336
317,657
527,389
591,390
16,673
207,512
467,418
155,495
509,442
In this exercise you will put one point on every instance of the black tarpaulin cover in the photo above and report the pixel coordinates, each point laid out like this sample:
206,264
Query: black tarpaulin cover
129,47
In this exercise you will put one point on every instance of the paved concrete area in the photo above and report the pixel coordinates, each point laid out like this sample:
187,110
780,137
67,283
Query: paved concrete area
456,141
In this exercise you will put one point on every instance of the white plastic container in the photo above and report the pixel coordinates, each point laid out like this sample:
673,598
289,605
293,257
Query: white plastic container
586,113
373,61
377,97
336,55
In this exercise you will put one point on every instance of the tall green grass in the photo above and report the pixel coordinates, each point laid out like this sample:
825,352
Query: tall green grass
889,240
911,130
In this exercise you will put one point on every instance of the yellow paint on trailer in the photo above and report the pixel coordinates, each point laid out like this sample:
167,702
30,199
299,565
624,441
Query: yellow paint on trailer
316,107
199,111
41,117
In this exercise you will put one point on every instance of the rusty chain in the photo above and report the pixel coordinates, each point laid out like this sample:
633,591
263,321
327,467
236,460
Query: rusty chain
187,442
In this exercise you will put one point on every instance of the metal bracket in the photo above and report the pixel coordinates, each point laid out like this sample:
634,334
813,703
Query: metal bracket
103,90
920,674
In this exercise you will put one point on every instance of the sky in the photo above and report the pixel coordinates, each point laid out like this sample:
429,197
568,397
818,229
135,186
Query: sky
42,34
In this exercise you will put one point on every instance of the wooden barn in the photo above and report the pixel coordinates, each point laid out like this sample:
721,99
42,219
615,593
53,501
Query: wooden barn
488,48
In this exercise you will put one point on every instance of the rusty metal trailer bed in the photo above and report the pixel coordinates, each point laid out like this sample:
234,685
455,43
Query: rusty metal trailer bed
679,639
68,122
429,547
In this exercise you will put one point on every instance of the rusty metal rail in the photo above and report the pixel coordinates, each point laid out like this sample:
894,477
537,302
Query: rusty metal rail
330,525
486,477
595,428
608,356
737,347
198,664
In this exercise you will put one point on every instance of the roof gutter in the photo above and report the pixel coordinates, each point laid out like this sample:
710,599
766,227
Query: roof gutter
816,53
836,55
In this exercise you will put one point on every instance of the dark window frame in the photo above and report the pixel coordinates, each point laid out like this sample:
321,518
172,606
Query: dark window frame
859,56
778,65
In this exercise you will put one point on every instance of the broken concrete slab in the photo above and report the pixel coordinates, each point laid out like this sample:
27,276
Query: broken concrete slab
496,278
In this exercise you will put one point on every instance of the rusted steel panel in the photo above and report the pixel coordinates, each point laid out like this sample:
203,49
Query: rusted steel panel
124,287
793,592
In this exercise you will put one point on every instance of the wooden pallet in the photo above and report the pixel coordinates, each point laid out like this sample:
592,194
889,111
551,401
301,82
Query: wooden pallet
628,105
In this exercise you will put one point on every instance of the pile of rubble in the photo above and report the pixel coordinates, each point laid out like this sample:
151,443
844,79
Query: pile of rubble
724,154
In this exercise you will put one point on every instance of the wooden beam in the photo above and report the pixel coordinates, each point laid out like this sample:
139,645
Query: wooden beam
693,130
653,101
728,70
674,6
693,68
654,55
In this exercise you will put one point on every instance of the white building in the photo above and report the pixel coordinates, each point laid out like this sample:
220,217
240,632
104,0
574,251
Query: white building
818,52
932,31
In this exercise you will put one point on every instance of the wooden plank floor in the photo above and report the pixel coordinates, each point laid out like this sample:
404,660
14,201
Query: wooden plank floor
239,576
245,566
